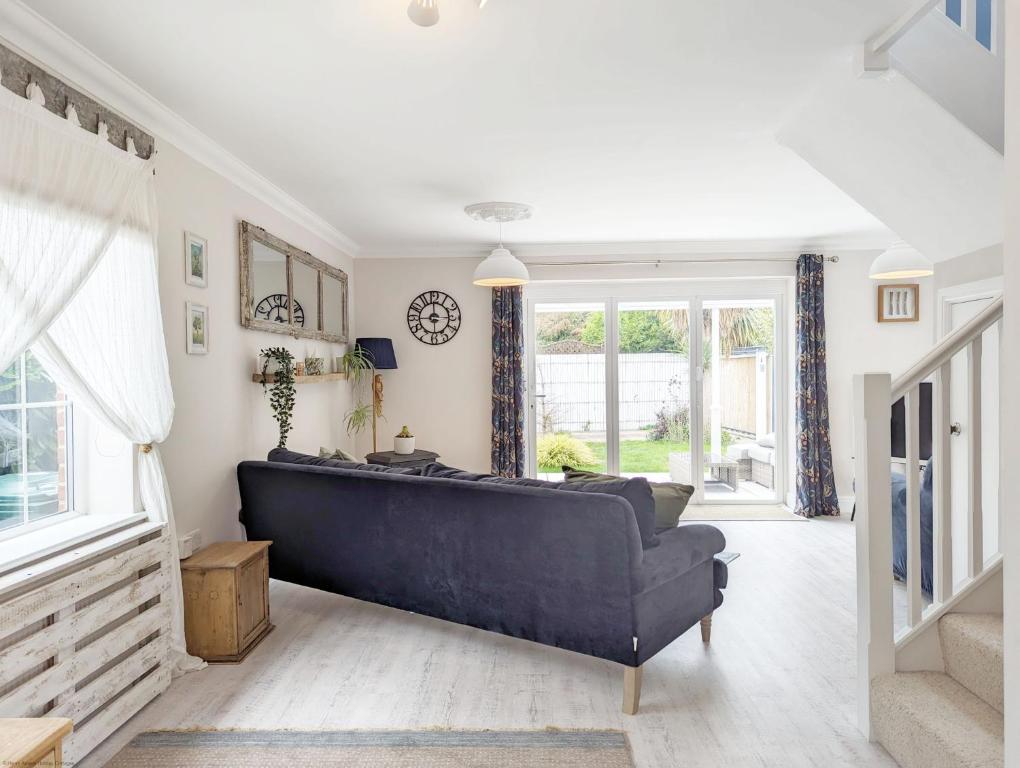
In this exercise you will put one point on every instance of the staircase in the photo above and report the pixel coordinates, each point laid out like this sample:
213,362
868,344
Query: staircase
930,691
950,719
912,128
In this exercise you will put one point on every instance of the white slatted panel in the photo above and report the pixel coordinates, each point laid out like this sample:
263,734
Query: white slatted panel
84,633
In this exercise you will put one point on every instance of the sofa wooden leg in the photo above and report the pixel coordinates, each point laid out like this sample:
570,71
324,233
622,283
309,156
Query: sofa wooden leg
631,689
706,629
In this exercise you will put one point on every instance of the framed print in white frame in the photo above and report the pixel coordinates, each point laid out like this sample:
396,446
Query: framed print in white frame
196,330
196,260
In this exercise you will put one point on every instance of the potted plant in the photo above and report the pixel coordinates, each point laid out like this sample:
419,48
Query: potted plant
359,369
281,397
403,443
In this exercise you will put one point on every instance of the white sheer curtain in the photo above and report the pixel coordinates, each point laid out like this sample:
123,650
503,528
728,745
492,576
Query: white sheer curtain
79,272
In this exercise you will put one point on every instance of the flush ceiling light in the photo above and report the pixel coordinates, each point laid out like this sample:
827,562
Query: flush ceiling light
501,269
424,13
900,261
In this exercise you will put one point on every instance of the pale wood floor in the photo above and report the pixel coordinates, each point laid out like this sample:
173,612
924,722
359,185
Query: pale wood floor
776,688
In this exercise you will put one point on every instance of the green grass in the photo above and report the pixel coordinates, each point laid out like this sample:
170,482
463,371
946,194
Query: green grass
635,456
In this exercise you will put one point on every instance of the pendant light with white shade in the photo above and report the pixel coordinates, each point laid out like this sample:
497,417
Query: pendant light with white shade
424,13
501,269
900,261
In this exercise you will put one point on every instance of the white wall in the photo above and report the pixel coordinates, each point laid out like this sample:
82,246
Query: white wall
858,343
1010,375
969,268
222,417
442,393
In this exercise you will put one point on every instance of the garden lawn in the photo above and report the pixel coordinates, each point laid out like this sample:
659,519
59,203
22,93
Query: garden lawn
635,456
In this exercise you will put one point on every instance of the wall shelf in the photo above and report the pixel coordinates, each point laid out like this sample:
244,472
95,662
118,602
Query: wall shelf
271,379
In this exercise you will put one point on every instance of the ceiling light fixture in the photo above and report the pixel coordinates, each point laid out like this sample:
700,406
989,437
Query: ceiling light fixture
900,261
424,13
501,269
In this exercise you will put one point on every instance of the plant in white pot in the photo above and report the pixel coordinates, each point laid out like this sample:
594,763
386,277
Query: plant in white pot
403,443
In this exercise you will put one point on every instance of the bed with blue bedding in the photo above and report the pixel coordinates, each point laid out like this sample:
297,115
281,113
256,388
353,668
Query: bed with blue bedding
899,528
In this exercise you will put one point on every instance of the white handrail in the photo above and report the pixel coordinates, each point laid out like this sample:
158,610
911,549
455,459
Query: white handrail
945,349
874,394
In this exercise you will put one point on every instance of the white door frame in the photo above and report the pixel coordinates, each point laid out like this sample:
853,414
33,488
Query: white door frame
694,292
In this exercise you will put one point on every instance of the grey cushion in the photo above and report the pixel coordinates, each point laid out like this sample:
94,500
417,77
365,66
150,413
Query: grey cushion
669,499
635,490
283,456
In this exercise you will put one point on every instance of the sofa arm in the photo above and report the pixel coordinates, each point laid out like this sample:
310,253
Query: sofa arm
679,550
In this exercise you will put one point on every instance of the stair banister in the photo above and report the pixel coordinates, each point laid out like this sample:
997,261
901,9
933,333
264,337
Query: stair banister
876,650
874,394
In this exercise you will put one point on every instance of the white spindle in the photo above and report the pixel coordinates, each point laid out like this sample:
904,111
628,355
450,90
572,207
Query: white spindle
875,644
912,411
942,534
975,530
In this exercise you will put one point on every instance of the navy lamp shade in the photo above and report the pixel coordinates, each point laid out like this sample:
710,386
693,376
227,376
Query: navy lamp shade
379,351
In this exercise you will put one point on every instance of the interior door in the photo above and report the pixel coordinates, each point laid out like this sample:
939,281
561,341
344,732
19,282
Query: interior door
957,313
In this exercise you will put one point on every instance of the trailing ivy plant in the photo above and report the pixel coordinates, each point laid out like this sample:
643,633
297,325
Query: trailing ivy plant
281,397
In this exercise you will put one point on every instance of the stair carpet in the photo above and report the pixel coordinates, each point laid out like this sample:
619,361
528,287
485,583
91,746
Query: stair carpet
951,719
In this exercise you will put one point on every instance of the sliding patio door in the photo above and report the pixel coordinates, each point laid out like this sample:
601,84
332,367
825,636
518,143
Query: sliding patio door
568,388
739,405
681,388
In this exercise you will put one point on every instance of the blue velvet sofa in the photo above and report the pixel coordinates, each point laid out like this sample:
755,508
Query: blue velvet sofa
560,567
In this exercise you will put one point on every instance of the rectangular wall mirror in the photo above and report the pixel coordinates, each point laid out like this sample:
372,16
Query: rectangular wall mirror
287,290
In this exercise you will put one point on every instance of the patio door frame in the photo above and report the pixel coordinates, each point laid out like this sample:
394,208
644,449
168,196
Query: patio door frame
695,293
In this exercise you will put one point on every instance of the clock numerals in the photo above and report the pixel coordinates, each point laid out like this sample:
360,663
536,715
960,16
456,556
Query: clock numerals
433,317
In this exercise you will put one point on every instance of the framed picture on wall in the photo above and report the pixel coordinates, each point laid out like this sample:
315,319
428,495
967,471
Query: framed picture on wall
899,303
195,260
197,328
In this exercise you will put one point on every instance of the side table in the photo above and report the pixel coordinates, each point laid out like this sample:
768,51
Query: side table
403,461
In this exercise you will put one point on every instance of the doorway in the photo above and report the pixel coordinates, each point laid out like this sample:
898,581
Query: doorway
626,380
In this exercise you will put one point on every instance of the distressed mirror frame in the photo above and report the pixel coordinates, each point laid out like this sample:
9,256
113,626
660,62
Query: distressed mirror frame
251,234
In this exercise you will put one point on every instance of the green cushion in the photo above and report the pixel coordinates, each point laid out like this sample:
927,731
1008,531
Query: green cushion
670,499
339,453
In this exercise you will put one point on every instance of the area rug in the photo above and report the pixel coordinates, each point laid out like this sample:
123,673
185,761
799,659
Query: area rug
376,749
739,512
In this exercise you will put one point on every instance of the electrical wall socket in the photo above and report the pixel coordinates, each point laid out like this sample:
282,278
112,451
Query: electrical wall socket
189,543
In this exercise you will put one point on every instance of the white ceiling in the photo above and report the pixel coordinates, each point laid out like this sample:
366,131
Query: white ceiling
619,120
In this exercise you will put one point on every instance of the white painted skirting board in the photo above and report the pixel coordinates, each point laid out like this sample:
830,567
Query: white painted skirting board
84,633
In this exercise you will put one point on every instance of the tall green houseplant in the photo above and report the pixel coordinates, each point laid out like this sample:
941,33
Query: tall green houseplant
281,396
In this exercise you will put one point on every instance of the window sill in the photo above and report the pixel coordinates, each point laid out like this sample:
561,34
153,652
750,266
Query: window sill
20,550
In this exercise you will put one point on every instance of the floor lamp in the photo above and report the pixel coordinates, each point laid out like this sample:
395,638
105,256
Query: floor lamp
380,352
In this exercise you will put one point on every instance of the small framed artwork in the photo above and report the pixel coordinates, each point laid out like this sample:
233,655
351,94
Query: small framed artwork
195,260
197,330
899,303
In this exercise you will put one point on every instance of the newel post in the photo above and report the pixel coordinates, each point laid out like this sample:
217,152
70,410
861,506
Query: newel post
876,652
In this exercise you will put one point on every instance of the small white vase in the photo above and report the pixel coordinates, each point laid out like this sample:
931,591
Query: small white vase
403,446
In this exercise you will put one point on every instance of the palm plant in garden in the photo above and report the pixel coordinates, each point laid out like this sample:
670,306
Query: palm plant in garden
738,326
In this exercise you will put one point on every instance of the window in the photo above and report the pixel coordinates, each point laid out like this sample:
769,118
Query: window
35,446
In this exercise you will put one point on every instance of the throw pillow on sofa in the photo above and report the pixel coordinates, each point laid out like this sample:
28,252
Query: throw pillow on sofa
670,499
283,456
336,453
635,490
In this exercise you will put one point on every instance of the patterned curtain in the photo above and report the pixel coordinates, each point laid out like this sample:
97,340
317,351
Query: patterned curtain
816,488
507,383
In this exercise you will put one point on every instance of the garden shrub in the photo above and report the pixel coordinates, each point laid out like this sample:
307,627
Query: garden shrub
561,448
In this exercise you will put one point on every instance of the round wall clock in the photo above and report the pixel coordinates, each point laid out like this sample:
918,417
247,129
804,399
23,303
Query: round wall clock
274,309
433,317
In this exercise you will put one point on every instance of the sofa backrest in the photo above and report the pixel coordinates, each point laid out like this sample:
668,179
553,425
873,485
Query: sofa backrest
551,566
